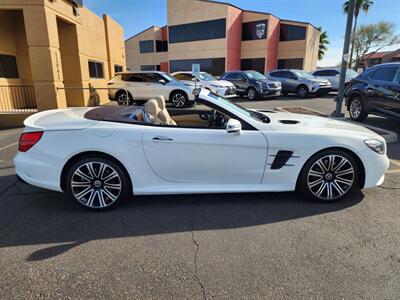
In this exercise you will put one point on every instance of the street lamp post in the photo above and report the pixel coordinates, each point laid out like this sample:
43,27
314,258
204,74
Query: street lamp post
345,59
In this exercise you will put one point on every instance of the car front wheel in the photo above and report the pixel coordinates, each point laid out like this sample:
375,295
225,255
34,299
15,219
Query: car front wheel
252,94
97,183
329,176
356,109
179,99
302,91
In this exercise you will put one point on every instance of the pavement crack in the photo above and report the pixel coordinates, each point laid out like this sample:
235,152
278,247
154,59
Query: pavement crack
389,188
195,257
8,188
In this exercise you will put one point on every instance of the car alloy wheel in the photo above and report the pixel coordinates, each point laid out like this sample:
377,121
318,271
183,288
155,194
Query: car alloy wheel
96,185
355,108
331,177
123,99
179,100
252,94
302,91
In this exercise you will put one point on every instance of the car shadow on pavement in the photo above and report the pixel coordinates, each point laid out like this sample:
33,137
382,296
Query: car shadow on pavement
33,216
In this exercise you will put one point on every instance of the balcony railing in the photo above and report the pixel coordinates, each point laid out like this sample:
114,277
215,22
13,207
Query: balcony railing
17,98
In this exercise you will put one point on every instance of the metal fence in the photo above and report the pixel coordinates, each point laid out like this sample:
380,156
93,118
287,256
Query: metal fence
17,98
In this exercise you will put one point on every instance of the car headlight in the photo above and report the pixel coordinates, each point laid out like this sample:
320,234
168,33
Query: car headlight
375,145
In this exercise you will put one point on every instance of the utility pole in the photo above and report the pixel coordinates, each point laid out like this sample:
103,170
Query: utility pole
345,59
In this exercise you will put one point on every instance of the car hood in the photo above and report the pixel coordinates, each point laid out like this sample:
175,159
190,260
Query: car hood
60,119
319,80
188,83
222,82
291,122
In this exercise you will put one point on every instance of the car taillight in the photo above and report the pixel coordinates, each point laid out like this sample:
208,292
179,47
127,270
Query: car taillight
28,140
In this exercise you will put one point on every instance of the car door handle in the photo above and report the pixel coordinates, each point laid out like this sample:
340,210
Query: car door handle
162,139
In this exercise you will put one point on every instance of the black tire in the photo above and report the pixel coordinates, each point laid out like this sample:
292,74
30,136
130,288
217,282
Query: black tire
356,109
311,181
252,94
97,193
302,91
179,99
124,98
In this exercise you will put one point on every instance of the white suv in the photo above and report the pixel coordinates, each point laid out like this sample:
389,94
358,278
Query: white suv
127,87
222,88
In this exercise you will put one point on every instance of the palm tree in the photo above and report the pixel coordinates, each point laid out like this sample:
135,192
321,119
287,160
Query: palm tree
323,43
363,5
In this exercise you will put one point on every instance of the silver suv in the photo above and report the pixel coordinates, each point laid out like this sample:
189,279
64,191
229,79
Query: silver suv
300,82
127,87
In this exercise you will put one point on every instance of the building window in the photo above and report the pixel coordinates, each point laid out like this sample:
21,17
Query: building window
256,30
199,31
146,46
161,46
214,66
8,66
256,64
118,68
292,63
292,33
147,67
158,67
96,69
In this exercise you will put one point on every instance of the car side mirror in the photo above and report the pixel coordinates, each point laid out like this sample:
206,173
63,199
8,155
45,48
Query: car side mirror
162,81
233,126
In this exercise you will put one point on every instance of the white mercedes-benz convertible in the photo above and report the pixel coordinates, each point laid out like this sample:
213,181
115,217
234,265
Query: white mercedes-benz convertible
102,155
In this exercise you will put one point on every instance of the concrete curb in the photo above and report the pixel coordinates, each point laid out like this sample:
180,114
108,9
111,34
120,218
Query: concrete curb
389,136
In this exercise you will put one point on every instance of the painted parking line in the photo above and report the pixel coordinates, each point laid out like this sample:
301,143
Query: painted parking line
8,146
393,171
395,162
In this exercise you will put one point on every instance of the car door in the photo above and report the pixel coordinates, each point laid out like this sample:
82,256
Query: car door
136,85
205,155
382,90
284,77
238,80
153,85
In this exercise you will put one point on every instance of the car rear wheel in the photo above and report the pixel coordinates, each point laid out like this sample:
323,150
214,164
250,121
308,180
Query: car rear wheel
329,176
252,94
179,99
97,183
356,109
302,91
124,98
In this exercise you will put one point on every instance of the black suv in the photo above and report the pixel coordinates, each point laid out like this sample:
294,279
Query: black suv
375,91
253,84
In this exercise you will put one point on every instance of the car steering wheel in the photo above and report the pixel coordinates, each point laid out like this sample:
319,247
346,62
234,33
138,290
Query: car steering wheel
216,119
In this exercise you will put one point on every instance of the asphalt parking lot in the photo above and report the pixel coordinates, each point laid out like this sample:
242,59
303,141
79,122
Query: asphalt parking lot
230,246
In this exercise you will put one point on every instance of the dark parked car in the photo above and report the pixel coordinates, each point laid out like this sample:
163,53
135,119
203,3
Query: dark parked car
253,84
300,82
376,91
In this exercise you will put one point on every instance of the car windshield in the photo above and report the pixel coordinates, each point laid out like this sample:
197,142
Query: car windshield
351,72
303,74
168,77
254,75
206,77
241,110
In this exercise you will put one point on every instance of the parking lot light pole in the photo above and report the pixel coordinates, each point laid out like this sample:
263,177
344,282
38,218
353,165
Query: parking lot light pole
345,59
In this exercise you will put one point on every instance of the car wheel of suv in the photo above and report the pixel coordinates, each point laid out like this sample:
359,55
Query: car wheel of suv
329,176
356,109
97,183
124,98
302,91
179,99
252,94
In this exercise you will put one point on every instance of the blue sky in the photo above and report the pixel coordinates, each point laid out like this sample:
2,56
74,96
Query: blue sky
137,15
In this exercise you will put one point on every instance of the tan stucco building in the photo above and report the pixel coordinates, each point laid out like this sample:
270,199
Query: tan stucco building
49,51
222,37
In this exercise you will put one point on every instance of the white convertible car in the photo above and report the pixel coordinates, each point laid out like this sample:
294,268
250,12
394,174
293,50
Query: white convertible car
102,155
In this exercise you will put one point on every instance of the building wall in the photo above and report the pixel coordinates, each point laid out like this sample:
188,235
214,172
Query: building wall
55,46
232,48
135,59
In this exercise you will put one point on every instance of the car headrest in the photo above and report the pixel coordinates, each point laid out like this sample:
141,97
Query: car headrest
151,108
161,102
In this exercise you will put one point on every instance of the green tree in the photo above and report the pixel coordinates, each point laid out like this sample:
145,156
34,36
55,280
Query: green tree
371,38
360,5
323,43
